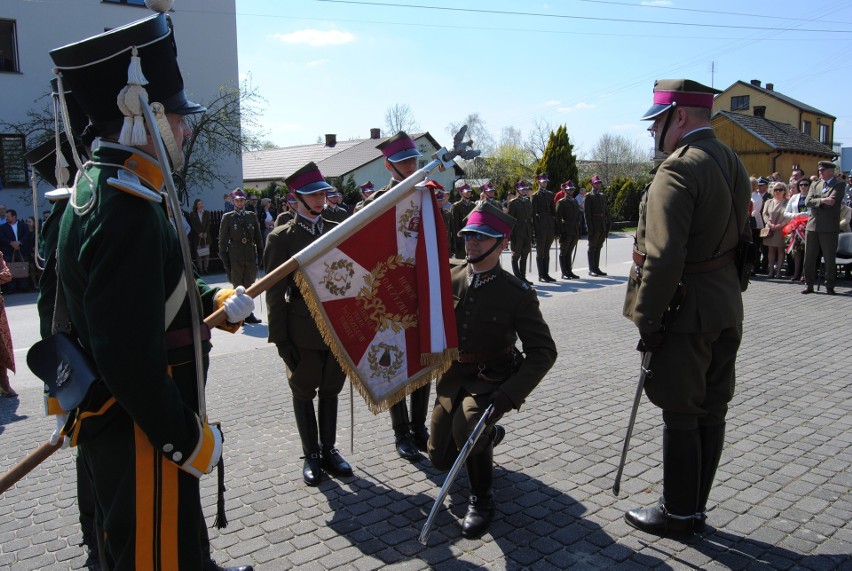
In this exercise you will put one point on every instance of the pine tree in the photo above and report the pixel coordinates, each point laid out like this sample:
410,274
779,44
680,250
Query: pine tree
558,160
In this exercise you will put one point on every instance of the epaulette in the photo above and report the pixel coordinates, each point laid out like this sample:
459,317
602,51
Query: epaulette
516,281
129,183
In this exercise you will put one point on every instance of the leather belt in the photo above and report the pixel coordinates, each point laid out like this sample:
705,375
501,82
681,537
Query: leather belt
692,267
183,337
483,357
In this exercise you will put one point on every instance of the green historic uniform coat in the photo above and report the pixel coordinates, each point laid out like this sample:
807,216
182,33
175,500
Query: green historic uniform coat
493,310
690,215
138,429
291,326
240,246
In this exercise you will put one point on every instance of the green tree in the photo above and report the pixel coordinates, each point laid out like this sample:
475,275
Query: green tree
559,160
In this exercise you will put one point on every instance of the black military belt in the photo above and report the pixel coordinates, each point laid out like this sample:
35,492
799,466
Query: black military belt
246,241
711,264
183,337
483,357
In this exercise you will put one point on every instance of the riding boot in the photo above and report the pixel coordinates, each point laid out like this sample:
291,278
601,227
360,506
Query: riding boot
515,270
675,512
306,422
542,269
331,461
598,264
712,442
480,510
563,266
522,266
419,412
568,264
592,269
405,445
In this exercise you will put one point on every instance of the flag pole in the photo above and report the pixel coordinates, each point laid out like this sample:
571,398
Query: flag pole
441,159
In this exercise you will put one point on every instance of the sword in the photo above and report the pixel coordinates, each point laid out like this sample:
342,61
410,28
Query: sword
644,374
454,472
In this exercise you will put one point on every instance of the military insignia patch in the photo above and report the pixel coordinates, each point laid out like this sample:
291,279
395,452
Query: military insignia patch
338,277
385,360
63,373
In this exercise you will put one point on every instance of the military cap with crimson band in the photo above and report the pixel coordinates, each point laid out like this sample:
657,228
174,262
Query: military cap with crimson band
542,178
487,187
522,185
96,69
238,194
398,148
670,93
367,186
307,180
489,220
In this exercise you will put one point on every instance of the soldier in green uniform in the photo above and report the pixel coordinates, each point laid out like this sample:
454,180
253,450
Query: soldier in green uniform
486,194
824,199
240,244
544,226
597,223
690,221
410,432
313,369
333,209
367,189
493,310
521,240
289,213
139,431
461,208
568,227
446,215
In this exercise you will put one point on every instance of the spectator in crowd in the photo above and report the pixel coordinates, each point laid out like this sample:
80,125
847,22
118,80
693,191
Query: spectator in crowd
13,240
199,235
823,226
756,220
266,215
796,205
229,204
7,354
289,211
773,221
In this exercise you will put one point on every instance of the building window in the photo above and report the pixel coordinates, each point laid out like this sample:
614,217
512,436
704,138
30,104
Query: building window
739,102
806,128
823,135
8,46
128,2
13,167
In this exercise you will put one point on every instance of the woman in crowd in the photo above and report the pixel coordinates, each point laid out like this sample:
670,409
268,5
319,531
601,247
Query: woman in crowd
795,206
266,216
774,221
7,355
199,235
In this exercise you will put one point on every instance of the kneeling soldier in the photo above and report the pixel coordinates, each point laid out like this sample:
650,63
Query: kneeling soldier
493,310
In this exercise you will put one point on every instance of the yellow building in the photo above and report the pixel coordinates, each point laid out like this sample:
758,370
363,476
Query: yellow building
770,131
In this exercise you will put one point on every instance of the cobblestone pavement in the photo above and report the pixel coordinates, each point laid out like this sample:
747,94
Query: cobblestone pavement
782,490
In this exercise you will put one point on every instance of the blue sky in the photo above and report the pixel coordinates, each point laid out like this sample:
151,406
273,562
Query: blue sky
337,66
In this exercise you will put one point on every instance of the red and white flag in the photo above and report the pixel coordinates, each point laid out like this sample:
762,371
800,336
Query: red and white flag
382,299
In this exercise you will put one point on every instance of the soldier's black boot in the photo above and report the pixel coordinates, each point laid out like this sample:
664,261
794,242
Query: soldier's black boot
712,442
252,319
563,266
568,264
522,266
480,510
542,270
331,460
675,513
598,264
405,445
593,271
306,422
515,270
546,264
419,412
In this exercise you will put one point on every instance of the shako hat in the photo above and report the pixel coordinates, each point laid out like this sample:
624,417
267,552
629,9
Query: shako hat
76,117
489,220
142,53
398,148
307,180
43,160
679,92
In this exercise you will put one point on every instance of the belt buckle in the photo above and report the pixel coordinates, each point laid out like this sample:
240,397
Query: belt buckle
244,240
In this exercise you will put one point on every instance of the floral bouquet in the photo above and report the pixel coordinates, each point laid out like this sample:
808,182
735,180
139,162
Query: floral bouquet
794,233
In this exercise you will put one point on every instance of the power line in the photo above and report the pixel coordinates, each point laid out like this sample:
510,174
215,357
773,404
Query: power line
584,18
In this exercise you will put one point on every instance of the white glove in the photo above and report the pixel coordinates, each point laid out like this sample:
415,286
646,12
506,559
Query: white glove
238,306
61,419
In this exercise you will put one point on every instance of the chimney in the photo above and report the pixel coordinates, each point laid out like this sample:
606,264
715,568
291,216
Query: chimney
770,86
755,82
330,140
375,133
760,111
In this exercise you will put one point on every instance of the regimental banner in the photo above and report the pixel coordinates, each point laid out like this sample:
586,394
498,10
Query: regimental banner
383,301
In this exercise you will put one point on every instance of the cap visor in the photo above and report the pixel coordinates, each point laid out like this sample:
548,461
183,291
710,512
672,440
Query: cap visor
313,187
482,229
405,154
654,111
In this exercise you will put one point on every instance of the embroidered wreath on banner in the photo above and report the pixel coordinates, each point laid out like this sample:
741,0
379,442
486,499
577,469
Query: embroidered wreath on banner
409,221
385,360
369,298
338,277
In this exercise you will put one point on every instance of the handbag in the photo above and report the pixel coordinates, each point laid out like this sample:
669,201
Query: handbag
203,251
765,232
19,269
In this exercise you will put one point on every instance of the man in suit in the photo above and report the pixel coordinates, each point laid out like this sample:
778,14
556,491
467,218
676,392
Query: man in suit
13,235
682,240
824,198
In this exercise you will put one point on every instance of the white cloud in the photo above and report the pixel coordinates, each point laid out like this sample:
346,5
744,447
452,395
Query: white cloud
316,38
551,103
581,106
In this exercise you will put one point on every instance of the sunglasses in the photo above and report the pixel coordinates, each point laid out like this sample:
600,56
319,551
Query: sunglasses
778,190
478,236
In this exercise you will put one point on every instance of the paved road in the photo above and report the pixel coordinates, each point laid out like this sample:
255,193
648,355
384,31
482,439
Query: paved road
783,488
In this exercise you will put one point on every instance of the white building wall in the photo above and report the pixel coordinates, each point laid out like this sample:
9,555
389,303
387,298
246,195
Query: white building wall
206,36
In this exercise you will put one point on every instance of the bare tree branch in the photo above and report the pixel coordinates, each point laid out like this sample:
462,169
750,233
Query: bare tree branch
399,117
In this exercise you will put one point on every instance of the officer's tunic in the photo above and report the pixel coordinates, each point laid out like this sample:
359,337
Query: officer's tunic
682,219
520,241
460,211
284,218
240,246
493,310
335,213
822,229
544,216
567,224
597,221
141,429
313,368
